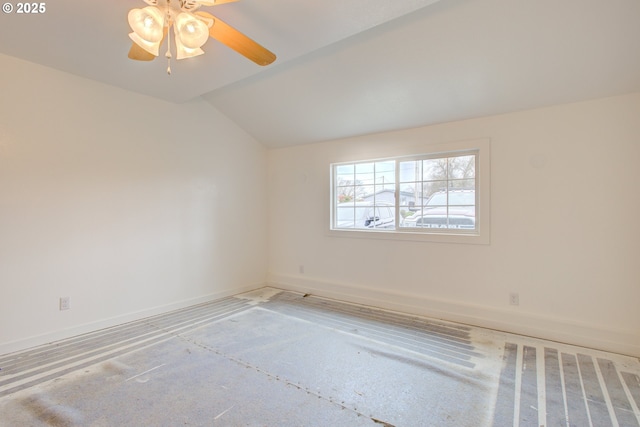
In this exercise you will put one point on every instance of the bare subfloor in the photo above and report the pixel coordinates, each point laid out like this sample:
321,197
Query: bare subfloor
272,358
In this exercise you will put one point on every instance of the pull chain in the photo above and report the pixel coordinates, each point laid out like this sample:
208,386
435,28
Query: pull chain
168,54
169,22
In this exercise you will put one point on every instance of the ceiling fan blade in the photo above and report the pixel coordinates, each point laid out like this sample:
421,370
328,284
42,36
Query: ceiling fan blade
237,41
139,54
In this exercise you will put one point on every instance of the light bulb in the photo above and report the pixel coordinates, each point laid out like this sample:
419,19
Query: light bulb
147,23
191,31
183,51
148,28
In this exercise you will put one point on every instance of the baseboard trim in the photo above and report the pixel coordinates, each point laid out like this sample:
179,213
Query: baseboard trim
529,324
47,338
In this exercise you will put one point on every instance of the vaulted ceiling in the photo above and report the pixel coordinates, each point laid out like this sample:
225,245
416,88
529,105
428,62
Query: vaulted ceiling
355,67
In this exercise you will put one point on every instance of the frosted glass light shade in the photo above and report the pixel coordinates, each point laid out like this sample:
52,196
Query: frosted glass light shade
183,52
191,31
152,48
148,28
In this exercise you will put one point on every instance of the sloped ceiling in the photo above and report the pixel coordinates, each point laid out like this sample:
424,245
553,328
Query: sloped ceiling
354,67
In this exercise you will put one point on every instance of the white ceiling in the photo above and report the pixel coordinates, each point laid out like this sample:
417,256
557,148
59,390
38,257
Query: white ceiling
355,67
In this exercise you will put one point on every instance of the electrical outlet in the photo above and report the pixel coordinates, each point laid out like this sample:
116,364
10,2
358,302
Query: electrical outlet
514,298
65,303
301,269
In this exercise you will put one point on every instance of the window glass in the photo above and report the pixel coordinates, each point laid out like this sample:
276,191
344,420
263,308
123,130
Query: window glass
429,193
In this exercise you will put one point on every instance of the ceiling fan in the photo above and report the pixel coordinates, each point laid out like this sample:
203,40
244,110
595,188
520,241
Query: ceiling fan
191,27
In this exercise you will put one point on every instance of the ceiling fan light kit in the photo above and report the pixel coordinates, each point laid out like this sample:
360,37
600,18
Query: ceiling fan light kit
152,24
148,28
191,33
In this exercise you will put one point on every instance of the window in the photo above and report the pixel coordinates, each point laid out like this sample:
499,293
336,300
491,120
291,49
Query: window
428,194
438,193
365,194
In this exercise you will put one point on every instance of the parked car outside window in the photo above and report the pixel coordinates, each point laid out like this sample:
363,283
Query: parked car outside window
364,215
446,209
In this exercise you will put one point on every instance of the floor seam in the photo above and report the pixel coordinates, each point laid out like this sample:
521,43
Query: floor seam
278,378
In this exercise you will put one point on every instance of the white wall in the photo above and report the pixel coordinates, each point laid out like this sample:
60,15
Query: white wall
565,230
132,206
126,204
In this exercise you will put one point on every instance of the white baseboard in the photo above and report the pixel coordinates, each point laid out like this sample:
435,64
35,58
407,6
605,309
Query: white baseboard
529,324
34,341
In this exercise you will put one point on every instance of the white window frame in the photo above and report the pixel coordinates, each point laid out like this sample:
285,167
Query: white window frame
482,232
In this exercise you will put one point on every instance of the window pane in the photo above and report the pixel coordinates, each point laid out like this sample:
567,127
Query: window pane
364,192
364,215
405,212
462,217
344,195
344,173
344,183
434,193
434,169
463,184
411,171
462,167
364,173
462,197
385,194
345,216
385,172
409,194
352,215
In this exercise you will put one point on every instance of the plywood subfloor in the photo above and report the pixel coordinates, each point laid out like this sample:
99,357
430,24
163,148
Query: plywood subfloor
273,358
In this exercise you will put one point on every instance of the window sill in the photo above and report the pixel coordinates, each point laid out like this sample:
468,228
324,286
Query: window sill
412,236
